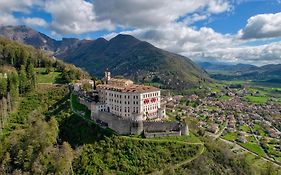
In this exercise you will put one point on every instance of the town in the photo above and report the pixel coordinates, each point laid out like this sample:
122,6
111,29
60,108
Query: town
240,116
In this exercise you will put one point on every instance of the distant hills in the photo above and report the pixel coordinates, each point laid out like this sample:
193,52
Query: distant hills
267,73
124,55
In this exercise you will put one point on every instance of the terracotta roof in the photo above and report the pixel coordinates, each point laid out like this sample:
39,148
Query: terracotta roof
130,89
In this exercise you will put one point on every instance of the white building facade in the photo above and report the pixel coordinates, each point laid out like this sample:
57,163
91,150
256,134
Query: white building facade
129,101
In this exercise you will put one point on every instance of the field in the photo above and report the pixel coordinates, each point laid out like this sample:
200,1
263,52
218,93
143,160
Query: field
257,99
231,136
51,77
245,128
224,97
79,107
254,148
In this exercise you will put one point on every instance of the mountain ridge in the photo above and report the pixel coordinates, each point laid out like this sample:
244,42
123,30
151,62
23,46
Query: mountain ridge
124,55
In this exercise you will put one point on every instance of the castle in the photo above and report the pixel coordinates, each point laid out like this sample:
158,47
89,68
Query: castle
128,108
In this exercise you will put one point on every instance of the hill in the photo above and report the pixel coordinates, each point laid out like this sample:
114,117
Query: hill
124,55
267,73
221,67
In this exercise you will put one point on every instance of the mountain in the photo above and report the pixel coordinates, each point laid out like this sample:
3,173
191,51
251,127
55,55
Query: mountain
127,56
268,73
124,55
215,67
27,35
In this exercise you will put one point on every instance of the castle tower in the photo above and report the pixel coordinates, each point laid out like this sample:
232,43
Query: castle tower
184,129
107,76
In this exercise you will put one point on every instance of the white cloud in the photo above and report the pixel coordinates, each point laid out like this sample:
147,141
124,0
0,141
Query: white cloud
7,19
206,44
74,17
147,13
218,6
35,22
257,55
262,26
7,7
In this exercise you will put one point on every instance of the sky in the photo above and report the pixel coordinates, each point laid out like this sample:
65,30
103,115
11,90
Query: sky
231,31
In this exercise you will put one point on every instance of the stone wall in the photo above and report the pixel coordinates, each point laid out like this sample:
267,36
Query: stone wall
149,128
152,126
121,126
161,134
85,102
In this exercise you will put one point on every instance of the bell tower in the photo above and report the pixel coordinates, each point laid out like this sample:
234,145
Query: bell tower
107,76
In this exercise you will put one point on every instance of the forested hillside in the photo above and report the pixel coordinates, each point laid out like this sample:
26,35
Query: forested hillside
124,55
43,130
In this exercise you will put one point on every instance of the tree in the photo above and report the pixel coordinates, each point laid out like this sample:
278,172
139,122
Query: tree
31,77
13,88
22,80
3,87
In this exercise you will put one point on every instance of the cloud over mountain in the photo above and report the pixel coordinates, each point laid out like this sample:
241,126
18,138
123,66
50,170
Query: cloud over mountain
262,26
168,24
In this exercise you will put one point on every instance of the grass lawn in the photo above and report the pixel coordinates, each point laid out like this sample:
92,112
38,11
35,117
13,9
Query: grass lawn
79,107
251,139
224,97
254,148
43,77
212,108
230,136
245,128
259,129
257,99
191,138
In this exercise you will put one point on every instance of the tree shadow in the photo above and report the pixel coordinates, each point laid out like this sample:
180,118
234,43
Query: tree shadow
77,131
74,129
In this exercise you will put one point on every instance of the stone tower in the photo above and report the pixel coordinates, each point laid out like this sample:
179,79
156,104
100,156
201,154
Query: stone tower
107,76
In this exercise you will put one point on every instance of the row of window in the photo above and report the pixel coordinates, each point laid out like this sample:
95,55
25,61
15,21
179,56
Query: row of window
126,109
150,95
125,102
120,96
154,107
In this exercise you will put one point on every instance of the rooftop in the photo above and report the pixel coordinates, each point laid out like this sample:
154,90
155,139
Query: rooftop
129,88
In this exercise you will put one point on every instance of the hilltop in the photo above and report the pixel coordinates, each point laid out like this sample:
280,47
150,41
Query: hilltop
124,55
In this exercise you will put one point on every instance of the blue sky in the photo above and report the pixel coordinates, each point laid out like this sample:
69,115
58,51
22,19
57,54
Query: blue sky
234,31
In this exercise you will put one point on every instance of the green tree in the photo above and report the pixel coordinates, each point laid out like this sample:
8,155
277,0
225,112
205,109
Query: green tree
22,80
3,87
31,77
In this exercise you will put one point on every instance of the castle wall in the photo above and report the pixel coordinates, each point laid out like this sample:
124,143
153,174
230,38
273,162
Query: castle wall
161,134
150,128
121,126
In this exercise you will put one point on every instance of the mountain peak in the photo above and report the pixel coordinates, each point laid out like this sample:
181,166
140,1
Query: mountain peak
124,37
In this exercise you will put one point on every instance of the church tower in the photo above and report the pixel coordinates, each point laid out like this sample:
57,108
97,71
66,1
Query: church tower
107,76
